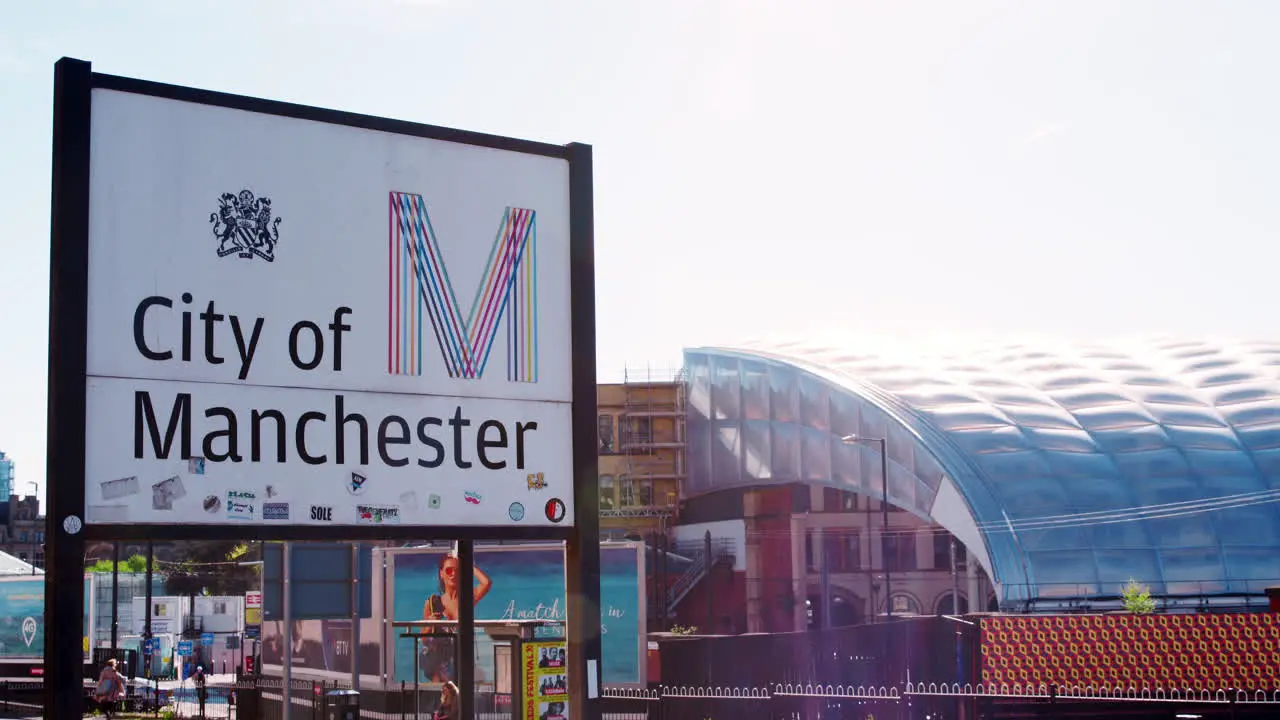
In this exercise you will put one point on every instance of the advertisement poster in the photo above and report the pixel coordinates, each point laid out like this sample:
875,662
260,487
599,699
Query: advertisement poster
22,618
516,583
323,646
253,614
546,681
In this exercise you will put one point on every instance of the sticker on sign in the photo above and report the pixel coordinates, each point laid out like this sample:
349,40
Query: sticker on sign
401,326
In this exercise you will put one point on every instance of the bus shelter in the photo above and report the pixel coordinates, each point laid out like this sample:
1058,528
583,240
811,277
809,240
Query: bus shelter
535,661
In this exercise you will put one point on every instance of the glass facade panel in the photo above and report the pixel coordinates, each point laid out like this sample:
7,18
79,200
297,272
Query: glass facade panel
844,416
726,454
786,452
815,407
784,394
1152,462
1117,567
816,459
698,454
725,389
1064,573
1194,571
1250,569
845,468
755,391
759,444
6,477
1054,537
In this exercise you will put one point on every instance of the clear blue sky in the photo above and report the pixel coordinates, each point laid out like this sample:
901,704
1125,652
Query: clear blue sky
1083,168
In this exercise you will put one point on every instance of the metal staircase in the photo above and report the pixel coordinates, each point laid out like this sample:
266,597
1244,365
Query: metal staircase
702,564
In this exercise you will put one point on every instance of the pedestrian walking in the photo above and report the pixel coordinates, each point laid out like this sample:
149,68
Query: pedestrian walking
202,687
110,689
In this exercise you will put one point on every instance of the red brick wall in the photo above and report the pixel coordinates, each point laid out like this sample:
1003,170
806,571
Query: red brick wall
772,530
728,592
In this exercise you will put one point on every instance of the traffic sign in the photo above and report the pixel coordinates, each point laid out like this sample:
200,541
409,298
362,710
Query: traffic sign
233,642
184,647
206,639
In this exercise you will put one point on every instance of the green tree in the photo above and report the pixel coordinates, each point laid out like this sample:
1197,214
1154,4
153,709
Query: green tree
134,564
212,567
1137,598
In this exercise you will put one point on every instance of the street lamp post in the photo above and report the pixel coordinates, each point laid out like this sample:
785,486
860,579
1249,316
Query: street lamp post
884,513
35,543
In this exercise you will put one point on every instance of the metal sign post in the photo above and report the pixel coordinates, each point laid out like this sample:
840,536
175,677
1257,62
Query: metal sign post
582,552
286,659
68,323
466,643
355,617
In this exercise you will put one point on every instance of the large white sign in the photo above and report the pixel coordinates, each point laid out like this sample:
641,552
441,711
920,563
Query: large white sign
293,322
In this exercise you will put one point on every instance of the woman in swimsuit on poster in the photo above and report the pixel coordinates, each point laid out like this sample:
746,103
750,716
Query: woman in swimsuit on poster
437,660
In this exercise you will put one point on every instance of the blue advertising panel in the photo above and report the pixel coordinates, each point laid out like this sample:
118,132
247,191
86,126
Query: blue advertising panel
185,648
320,578
521,583
22,618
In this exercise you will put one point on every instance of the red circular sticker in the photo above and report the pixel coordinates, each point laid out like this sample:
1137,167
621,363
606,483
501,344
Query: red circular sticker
555,510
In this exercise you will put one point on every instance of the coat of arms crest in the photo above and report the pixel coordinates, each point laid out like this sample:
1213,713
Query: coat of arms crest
245,226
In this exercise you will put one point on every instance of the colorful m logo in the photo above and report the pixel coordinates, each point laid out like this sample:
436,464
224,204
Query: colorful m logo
418,286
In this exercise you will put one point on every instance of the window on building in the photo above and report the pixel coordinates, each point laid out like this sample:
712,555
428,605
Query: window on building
646,493
639,431
905,605
604,427
842,550
835,500
626,491
942,551
899,549
220,607
608,493
22,536
946,607
850,552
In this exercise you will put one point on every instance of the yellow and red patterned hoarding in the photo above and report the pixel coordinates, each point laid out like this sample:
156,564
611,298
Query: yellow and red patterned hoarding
1198,652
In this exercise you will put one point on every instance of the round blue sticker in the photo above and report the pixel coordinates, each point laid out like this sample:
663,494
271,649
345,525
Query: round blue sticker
516,511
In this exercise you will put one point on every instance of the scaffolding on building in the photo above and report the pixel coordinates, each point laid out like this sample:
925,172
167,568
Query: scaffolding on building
652,442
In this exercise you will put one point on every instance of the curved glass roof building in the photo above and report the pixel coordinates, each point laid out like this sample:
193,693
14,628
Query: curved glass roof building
1066,470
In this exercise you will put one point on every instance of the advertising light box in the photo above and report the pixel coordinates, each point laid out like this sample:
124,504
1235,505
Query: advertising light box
294,322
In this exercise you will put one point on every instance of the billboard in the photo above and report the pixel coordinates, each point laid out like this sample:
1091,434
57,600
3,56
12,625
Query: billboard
22,618
294,322
323,648
520,582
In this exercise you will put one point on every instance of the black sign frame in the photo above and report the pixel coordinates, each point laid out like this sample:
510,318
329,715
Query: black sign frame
74,83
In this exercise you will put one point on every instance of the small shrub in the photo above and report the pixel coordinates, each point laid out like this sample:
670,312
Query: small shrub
1137,598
